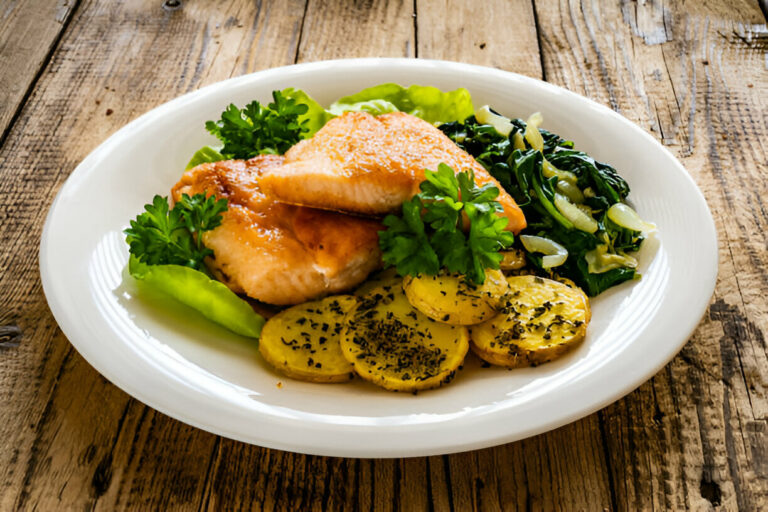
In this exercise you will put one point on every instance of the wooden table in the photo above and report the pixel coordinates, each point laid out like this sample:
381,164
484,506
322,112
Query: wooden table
694,74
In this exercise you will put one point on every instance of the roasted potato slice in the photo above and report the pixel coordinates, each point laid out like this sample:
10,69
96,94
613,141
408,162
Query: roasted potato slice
541,320
396,347
381,278
570,284
512,259
303,341
450,299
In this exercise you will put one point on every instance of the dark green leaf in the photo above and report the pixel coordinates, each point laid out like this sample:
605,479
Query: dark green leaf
163,236
255,129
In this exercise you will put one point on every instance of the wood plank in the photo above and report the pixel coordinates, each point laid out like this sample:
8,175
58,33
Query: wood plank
74,439
496,34
28,33
300,482
67,435
694,76
518,475
530,474
347,29
121,459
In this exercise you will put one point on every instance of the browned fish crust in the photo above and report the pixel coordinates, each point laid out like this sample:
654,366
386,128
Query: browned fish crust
370,165
275,252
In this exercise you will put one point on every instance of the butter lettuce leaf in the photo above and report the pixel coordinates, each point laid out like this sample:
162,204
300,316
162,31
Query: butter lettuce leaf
204,155
428,103
195,289
315,116
373,107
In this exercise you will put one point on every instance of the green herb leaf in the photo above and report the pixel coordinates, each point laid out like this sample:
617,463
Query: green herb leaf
405,245
315,117
430,236
256,130
161,236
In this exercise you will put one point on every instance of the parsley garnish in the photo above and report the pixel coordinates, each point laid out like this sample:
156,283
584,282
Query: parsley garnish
256,130
161,236
430,234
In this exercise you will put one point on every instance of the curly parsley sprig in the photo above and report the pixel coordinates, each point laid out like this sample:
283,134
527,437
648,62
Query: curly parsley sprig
430,234
256,130
162,236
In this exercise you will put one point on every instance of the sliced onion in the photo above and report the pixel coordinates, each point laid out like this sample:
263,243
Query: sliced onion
518,142
571,191
624,216
586,209
502,124
549,170
532,133
599,261
570,211
555,254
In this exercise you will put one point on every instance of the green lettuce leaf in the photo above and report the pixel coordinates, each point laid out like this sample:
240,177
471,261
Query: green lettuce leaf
198,291
373,107
204,155
426,102
316,116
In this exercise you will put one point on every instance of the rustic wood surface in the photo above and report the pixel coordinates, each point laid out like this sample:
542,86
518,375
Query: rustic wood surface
694,74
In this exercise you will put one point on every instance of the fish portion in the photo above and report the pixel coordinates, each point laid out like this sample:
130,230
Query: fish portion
371,165
275,252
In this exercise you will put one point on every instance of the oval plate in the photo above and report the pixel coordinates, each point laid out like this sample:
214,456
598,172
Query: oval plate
180,364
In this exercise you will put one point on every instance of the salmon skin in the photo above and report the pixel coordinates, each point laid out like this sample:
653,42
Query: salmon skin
275,252
370,165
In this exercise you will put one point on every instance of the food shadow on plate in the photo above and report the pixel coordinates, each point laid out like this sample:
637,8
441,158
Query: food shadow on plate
183,329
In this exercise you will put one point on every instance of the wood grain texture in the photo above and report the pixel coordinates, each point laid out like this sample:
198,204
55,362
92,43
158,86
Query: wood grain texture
28,33
343,29
694,437
497,34
694,75
68,435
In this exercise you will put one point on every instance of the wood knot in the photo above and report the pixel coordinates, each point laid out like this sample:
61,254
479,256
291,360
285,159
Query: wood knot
172,5
10,336
710,491
102,477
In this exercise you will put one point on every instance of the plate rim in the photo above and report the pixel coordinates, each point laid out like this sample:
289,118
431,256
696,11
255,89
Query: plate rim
72,331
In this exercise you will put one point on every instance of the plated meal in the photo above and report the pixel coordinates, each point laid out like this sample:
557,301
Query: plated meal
170,357
389,235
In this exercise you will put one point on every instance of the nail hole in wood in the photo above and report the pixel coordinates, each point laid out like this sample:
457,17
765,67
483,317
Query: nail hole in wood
172,5
710,491
10,336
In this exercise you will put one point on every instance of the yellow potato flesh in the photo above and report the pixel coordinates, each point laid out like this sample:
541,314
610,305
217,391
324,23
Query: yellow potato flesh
398,348
303,341
383,277
450,299
542,319
513,259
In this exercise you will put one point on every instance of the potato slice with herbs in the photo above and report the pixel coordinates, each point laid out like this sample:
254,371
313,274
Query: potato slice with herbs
541,320
449,298
396,347
512,259
303,341
387,276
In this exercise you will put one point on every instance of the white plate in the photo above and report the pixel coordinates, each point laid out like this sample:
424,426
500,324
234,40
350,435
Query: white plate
200,374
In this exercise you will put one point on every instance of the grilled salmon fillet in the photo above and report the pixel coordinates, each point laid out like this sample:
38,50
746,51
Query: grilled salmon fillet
275,252
370,165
